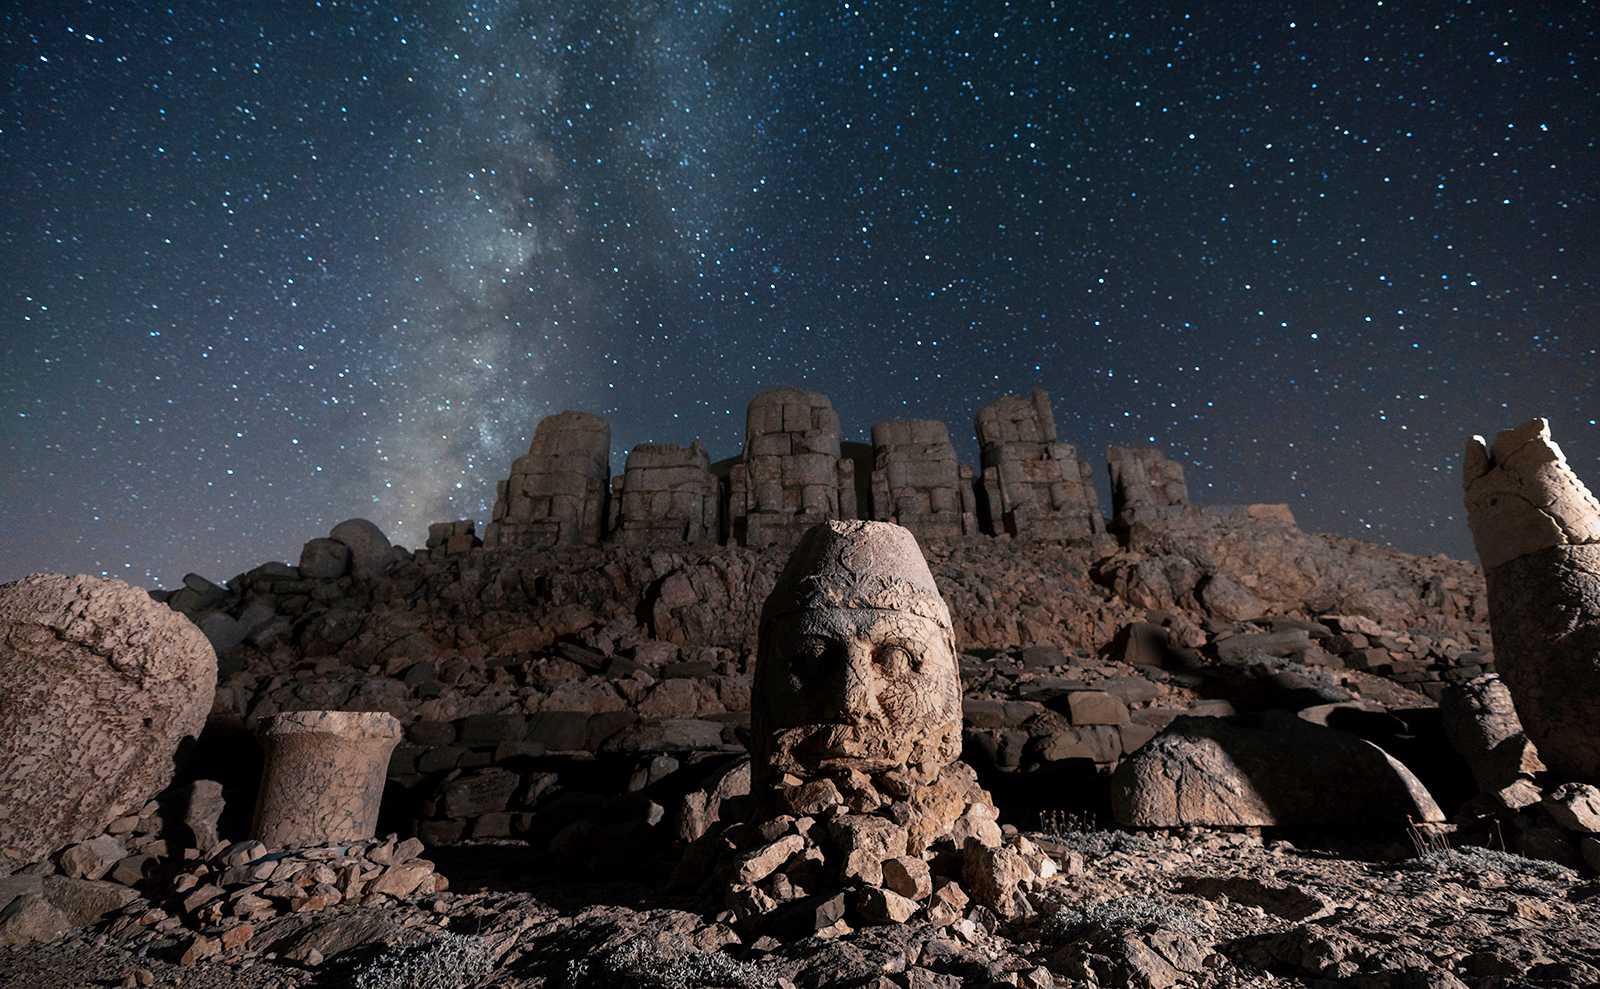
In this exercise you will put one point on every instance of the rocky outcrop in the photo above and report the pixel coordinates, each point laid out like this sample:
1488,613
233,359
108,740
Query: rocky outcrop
1265,769
557,493
103,687
1537,530
1481,722
1145,486
1249,561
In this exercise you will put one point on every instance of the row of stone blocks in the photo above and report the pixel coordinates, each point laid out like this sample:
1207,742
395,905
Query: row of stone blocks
792,475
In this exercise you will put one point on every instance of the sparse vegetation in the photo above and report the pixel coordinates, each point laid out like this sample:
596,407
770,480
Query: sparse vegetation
1535,876
647,963
449,961
1125,913
1099,844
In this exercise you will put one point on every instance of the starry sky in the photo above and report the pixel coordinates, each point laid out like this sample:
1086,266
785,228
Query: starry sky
268,266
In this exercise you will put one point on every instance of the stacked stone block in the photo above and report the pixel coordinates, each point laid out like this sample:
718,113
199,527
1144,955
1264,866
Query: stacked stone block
557,493
666,494
793,476
917,481
1145,485
1036,488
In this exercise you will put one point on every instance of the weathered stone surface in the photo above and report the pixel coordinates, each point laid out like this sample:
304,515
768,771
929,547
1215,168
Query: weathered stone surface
1523,497
918,483
370,550
202,806
856,668
667,494
1575,806
1144,485
1481,723
1034,487
1265,769
792,476
323,778
102,687
1537,530
558,493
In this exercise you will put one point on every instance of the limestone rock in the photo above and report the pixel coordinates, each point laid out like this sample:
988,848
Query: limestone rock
792,475
1034,486
556,494
1264,769
102,687
323,777
667,494
370,551
918,483
1482,725
1537,530
1144,485
856,667
1523,497
1575,806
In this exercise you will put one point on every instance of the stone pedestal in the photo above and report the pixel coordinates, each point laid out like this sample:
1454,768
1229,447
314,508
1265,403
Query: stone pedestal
324,776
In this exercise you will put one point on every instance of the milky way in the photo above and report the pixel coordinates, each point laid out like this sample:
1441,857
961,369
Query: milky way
271,266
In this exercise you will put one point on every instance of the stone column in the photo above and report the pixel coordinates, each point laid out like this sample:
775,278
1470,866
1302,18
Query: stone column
324,776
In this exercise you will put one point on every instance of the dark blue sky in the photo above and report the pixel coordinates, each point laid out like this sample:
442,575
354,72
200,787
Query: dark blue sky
268,266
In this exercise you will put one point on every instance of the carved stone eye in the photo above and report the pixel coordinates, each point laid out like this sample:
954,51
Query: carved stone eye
892,657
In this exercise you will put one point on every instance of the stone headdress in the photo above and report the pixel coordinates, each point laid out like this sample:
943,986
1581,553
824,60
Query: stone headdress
857,565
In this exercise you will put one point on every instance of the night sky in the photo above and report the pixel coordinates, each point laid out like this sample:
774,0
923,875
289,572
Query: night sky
267,266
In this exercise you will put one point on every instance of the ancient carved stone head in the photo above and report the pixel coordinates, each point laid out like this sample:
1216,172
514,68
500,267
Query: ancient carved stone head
856,667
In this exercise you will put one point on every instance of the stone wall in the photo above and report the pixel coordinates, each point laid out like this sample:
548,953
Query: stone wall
793,476
918,483
667,494
1035,487
557,493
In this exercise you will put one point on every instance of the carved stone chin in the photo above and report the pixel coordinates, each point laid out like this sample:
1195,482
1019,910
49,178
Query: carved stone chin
857,663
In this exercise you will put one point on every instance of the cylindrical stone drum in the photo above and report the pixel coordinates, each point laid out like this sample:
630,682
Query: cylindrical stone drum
323,780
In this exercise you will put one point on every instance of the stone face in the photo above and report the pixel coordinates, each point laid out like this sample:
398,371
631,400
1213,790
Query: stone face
102,686
1034,487
1264,769
323,777
1537,531
558,493
856,666
792,476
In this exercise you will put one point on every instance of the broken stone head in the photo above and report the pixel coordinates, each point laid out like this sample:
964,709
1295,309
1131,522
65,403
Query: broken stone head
856,668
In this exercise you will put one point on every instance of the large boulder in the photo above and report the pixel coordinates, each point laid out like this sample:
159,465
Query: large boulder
1265,769
370,550
102,686
1537,531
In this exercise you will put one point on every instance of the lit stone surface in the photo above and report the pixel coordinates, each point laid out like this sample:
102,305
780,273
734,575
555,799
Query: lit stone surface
323,779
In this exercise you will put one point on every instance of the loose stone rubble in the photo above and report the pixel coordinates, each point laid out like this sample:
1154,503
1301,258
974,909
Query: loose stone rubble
579,705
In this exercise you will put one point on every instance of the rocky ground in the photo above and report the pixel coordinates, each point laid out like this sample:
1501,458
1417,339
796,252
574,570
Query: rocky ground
590,672
1193,908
